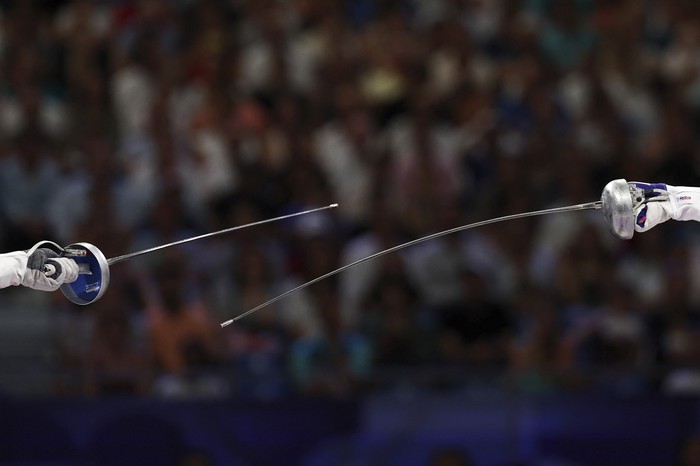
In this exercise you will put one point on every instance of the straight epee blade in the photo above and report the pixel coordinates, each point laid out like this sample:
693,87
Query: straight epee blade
94,274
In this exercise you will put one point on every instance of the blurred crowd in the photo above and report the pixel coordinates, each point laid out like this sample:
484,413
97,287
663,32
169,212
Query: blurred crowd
131,123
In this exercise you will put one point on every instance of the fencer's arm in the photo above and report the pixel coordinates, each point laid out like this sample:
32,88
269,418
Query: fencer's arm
13,266
685,201
28,268
682,204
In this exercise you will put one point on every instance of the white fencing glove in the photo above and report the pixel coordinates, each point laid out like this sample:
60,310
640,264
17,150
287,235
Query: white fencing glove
46,269
656,203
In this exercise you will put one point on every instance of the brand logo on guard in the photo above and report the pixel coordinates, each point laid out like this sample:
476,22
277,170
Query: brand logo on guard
93,287
684,198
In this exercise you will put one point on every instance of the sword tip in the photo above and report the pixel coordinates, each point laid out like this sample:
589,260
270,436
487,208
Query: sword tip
333,205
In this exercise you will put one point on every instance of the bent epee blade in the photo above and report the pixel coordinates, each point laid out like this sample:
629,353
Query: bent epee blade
616,203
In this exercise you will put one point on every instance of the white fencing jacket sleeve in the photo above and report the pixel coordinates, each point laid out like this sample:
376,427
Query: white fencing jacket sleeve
12,268
683,204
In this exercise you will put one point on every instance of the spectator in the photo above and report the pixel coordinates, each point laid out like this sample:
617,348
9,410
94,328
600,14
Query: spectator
346,151
481,323
28,179
336,361
182,335
540,359
257,348
116,363
392,319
